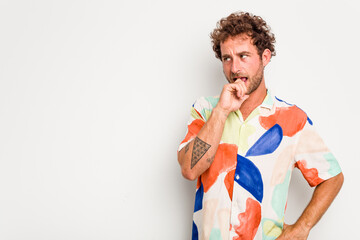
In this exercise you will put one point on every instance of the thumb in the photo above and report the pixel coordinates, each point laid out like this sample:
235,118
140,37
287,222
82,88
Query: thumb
285,226
245,97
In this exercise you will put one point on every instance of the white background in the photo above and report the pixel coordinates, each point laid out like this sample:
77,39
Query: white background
95,97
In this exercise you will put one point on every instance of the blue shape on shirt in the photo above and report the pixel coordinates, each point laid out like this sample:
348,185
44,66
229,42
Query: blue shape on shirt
309,120
199,198
267,143
284,101
195,234
249,177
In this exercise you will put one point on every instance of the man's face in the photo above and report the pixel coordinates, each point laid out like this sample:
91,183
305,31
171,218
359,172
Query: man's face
241,60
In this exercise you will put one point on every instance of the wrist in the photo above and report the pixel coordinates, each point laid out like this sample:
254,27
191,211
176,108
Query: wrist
303,226
221,112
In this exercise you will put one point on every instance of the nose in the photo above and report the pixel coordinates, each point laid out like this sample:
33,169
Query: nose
236,65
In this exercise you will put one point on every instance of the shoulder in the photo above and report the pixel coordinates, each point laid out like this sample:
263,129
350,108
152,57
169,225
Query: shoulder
291,114
206,102
205,105
290,107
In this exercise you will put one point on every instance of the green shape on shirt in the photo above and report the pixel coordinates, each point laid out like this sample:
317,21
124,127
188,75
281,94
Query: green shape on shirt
271,229
268,101
278,201
194,114
213,101
231,129
253,114
203,113
246,130
215,234
236,132
334,165
207,113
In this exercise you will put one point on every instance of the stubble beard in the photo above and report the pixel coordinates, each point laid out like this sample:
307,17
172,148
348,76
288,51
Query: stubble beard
254,82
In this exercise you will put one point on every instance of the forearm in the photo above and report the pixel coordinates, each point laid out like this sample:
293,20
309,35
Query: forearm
323,196
197,156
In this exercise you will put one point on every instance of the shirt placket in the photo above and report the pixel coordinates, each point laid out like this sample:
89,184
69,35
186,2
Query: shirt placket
236,201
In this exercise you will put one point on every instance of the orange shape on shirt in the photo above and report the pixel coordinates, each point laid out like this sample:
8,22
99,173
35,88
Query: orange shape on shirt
224,161
249,221
291,119
193,129
310,174
229,182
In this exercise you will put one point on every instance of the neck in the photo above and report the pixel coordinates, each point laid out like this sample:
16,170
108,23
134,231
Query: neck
254,100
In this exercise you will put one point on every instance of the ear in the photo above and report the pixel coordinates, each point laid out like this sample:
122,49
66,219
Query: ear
266,56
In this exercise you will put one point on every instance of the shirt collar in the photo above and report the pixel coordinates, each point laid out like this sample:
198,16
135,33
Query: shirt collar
268,101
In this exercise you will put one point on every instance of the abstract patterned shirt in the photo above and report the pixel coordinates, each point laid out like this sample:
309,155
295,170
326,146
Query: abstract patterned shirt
243,194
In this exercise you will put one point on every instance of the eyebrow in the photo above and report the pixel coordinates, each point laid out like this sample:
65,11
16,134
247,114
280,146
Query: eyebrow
244,53
225,56
240,53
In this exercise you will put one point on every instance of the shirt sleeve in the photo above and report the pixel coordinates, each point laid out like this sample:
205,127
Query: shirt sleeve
313,158
198,117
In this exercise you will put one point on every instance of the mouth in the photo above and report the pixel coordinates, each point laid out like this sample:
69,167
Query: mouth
244,79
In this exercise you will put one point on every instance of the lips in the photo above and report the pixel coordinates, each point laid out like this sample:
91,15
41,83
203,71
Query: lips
244,79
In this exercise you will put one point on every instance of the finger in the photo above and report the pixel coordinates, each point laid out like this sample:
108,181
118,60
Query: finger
236,89
240,89
242,86
245,97
238,80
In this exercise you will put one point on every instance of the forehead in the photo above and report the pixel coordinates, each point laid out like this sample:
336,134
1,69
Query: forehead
236,44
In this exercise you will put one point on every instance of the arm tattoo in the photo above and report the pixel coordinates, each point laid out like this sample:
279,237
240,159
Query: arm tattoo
210,159
199,149
187,147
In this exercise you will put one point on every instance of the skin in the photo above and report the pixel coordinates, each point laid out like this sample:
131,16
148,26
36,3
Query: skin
323,196
244,70
240,58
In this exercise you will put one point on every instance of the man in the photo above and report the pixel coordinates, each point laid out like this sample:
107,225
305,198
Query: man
243,145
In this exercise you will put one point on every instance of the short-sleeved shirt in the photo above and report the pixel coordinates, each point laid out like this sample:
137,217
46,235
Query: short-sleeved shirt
243,194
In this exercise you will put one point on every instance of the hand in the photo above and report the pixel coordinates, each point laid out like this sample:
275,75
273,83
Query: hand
232,96
293,232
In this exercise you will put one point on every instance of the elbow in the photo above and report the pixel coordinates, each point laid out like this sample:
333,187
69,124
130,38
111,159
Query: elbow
188,174
186,171
341,179
336,182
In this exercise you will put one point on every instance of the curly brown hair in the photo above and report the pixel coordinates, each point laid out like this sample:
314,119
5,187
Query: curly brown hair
243,23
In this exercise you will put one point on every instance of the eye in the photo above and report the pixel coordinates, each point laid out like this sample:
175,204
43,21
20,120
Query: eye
226,59
242,56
